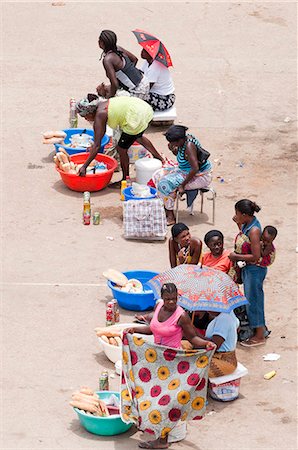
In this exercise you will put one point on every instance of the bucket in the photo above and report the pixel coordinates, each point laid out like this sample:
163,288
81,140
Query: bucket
145,168
226,388
225,392
136,151
129,196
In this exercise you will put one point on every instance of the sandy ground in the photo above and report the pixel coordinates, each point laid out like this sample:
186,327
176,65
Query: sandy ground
235,76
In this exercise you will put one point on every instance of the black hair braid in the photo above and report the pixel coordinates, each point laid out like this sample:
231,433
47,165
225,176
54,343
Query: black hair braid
109,40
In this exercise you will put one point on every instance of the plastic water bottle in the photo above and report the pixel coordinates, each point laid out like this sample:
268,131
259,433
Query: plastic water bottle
73,115
86,213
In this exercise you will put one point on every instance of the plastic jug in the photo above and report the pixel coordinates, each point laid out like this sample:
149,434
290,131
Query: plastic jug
145,168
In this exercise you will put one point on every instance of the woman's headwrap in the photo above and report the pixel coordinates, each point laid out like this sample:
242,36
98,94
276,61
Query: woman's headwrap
175,132
88,105
178,228
211,234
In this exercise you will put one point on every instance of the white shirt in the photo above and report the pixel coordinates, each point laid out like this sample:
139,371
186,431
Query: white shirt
160,75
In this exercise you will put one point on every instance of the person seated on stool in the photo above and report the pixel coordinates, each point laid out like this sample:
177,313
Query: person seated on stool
193,171
162,91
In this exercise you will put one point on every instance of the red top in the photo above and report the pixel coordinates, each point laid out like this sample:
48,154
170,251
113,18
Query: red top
222,263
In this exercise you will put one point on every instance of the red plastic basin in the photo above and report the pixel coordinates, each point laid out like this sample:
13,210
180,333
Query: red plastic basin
92,182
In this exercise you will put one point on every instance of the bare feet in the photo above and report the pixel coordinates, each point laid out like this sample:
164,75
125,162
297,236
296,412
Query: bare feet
170,218
157,443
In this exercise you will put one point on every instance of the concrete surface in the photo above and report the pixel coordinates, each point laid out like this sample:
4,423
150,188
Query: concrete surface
235,77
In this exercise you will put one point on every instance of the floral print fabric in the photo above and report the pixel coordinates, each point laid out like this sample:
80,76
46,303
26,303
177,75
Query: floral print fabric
161,386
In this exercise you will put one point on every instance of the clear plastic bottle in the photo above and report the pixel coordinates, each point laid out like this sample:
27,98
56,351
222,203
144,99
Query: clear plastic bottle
86,213
73,115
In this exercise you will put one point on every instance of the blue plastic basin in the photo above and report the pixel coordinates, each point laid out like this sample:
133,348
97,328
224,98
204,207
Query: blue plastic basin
133,301
103,426
73,151
129,196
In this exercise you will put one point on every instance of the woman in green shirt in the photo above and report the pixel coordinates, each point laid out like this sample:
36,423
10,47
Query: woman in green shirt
132,115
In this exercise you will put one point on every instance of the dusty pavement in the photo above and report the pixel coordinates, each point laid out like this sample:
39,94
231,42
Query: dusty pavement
235,76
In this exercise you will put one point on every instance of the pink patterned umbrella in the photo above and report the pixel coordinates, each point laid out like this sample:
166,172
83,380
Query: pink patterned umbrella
201,288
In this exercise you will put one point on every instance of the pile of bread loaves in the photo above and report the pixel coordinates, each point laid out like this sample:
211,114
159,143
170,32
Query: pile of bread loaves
54,137
88,401
64,162
110,337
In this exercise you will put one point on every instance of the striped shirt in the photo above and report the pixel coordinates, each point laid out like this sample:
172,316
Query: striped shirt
183,163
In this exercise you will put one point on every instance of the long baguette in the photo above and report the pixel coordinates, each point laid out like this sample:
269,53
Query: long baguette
112,341
86,390
108,334
81,398
60,134
84,406
59,156
64,158
53,140
57,134
62,150
86,396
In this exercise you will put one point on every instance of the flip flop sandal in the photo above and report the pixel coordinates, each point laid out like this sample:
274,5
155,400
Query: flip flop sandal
252,343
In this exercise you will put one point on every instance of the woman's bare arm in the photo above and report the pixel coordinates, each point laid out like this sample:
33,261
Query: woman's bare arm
130,55
172,253
197,246
189,332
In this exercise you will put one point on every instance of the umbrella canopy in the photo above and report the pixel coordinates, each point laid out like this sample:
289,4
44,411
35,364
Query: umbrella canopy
154,47
201,289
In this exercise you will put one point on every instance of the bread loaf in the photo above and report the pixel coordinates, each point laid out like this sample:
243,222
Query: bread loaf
112,341
53,140
66,167
118,340
64,158
56,134
104,338
84,406
86,390
48,134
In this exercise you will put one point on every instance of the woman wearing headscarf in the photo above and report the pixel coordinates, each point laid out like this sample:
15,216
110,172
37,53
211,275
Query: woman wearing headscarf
183,248
193,172
120,67
132,115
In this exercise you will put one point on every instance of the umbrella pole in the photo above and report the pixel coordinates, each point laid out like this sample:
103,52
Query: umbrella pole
192,317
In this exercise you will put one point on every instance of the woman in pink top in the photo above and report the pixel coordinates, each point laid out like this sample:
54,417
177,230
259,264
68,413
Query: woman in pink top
168,325
170,322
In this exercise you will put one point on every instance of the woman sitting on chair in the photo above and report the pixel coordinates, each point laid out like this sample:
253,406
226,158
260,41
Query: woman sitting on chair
193,172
